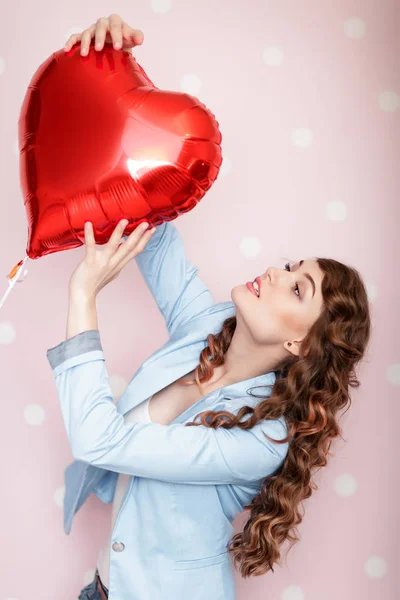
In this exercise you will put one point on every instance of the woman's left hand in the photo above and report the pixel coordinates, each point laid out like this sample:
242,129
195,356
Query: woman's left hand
103,263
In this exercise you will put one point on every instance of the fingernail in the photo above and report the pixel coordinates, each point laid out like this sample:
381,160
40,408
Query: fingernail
117,45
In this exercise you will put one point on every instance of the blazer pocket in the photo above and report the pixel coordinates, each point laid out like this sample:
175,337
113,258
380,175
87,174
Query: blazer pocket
198,563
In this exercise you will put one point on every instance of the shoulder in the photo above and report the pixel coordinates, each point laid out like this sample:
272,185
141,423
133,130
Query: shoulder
206,321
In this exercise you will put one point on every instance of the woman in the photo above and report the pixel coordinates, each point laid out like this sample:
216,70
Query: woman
176,481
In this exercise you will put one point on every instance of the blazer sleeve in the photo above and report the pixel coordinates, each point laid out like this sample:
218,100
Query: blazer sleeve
172,279
99,435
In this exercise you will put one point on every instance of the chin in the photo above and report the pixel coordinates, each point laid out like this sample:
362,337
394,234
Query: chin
240,295
237,290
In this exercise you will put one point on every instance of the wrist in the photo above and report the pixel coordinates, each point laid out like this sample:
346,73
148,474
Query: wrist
82,313
81,296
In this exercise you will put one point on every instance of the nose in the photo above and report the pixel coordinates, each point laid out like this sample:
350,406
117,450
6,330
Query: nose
270,274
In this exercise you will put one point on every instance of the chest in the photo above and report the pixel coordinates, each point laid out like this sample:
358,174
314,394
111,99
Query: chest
171,401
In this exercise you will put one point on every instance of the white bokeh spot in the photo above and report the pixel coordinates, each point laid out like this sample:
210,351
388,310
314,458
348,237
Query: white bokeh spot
302,137
226,167
389,101
393,374
355,28
273,56
2,65
345,485
292,592
250,246
7,332
161,6
34,414
336,211
58,496
191,84
375,566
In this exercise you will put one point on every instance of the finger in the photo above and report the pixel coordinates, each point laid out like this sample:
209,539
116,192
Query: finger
131,243
123,259
116,236
135,243
86,39
75,37
90,242
115,24
102,27
135,36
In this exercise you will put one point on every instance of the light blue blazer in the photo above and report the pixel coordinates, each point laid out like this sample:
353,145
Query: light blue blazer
170,538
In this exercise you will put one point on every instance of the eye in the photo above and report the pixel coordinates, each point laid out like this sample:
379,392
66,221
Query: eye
296,287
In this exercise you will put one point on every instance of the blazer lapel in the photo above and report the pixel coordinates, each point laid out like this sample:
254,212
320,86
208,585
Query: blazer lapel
166,366
178,356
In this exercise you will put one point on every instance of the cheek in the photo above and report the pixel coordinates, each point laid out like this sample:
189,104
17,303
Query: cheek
288,320
269,323
292,323
283,317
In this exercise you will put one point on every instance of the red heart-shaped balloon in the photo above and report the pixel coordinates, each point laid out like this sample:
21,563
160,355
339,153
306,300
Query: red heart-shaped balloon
100,142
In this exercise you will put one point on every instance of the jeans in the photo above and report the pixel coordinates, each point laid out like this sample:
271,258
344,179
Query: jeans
91,591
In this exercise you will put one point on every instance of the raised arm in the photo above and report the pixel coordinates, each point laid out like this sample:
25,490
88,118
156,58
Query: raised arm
171,278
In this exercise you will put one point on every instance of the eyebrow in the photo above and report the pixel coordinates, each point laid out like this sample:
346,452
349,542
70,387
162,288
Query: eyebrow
310,279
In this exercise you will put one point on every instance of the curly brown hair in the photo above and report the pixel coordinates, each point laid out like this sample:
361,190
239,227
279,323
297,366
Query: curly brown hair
309,390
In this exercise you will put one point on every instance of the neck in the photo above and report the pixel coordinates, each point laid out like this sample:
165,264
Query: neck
243,360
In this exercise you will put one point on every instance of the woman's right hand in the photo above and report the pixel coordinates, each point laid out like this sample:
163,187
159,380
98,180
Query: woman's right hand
112,30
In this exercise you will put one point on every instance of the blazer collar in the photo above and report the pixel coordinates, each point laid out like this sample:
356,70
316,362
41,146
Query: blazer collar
179,356
167,371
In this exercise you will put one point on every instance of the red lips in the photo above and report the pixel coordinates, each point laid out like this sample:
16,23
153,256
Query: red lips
259,286
249,286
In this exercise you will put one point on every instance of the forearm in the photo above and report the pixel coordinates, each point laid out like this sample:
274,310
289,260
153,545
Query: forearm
82,314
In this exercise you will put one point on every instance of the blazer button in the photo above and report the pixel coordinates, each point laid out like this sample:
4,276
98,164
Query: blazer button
118,546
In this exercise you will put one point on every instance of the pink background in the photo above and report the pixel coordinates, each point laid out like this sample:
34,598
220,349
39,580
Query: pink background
307,95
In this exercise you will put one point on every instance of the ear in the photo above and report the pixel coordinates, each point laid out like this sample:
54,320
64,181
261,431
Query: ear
293,347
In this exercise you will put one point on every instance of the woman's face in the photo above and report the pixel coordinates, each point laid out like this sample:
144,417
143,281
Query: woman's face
289,303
